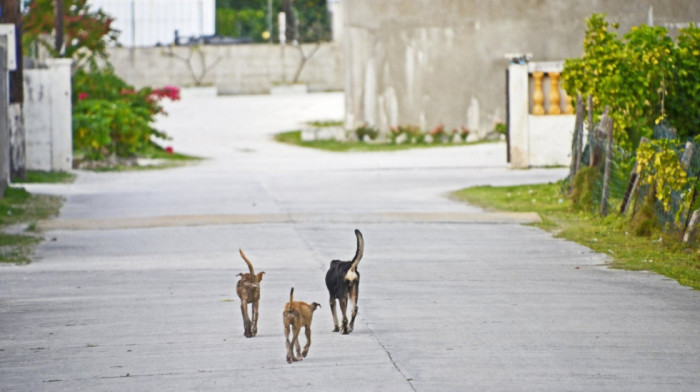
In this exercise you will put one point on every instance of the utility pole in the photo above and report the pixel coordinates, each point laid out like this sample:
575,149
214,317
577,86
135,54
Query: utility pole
58,27
10,14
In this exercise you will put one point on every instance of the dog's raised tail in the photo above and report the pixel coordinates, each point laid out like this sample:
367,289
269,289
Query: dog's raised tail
291,297
250,265
360,250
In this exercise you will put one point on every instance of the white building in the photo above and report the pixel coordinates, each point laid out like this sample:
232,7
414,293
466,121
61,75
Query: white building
152,22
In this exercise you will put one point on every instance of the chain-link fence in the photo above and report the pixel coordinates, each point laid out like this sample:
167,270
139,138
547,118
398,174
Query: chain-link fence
656,190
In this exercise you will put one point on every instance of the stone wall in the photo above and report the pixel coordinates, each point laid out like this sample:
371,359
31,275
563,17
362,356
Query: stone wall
430,62
233,69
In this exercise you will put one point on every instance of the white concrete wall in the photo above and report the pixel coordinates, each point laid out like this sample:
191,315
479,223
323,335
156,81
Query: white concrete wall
48,117
430,62
232,69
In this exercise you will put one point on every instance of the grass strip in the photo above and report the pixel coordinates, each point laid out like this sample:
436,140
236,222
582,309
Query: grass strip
294,138
659,252
19,207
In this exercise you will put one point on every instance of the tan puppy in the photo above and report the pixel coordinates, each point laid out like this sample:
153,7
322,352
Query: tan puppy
296,315
248,289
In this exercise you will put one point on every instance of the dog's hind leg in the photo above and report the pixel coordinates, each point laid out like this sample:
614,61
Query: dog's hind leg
246,319
254,326
335,317
307,330
354,291
343,311
290,347
297,329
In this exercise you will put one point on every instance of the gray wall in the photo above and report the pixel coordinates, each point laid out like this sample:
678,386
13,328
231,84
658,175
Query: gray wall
430,62
234,69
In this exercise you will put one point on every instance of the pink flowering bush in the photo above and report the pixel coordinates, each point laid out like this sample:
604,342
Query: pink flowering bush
111,117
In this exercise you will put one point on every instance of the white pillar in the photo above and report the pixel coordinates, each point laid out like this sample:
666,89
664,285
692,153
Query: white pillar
518,90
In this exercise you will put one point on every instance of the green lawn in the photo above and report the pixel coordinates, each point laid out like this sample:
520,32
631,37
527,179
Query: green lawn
611,235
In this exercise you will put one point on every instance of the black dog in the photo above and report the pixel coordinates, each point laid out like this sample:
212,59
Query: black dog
343,282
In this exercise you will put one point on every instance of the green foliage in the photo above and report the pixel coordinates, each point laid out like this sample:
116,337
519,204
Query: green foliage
659,166
365,131
642,77
111,118
248,23
249,18
683,103
87,32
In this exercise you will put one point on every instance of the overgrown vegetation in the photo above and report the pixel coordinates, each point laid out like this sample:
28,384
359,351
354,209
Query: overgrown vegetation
20,208
612,235
642,76
649,83
249,19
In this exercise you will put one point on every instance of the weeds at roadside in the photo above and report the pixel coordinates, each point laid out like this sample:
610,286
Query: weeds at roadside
19,212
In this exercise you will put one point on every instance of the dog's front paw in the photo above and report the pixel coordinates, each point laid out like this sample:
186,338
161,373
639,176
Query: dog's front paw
299,358
289,359
336,329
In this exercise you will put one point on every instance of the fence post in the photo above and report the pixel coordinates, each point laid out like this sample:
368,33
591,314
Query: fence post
606,124
577,139
633,182
591,130
690,231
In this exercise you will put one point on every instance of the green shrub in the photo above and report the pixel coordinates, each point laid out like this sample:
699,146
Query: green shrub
110,117
368,131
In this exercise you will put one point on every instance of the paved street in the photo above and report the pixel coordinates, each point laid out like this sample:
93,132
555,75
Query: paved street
134,286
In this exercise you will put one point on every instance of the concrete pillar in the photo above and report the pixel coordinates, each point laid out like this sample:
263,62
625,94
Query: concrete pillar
48,116
337,19
62,113
518,90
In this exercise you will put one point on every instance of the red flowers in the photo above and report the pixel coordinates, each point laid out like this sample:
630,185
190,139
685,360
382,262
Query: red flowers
82,96
169,149
171,92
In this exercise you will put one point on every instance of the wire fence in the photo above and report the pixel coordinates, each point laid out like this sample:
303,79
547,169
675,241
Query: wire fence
606,178
159,22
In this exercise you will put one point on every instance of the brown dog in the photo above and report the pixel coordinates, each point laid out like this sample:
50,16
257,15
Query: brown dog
248,289
296,315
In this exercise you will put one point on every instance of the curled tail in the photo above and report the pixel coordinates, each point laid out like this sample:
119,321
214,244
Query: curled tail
250,266
360,250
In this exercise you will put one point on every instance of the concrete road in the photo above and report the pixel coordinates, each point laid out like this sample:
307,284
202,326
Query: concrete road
134,287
